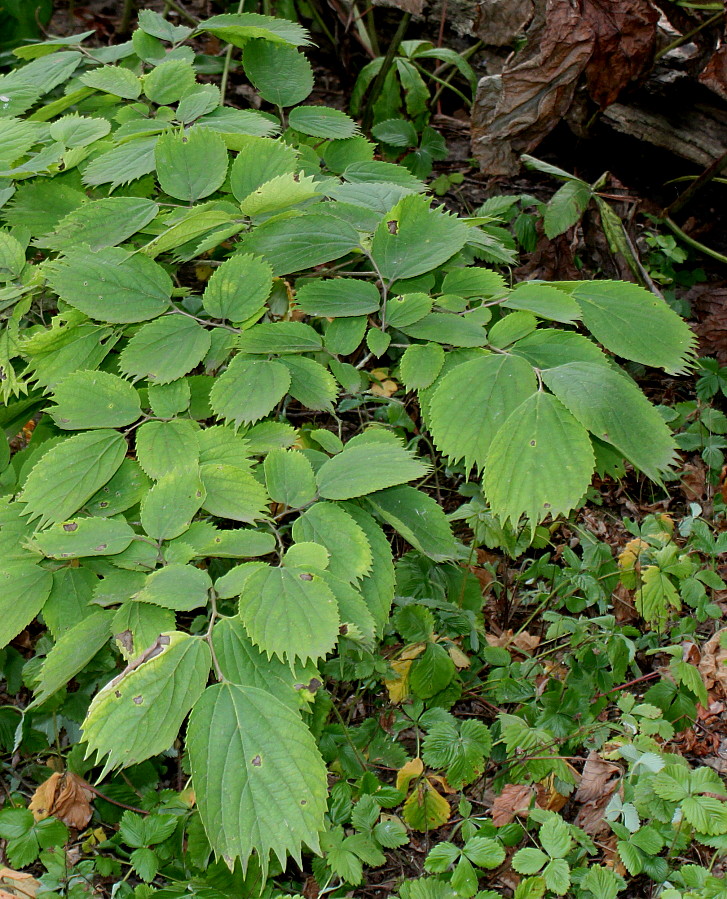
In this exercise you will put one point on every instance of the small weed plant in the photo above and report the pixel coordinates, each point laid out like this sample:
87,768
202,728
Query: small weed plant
222,518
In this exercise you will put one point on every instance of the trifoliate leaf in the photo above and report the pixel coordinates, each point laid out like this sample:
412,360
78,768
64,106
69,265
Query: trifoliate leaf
192,165
281,74
172,502
290,613
289,478
238,289
139,713
484,852
555,837
232,493
418,518
178,587
322,121
472,401
413,238
94,399
69,474
365,468
113,80
335,529
165,349
249,389
461,749
634,323
540,462
25,588
110,286
613,408
260,787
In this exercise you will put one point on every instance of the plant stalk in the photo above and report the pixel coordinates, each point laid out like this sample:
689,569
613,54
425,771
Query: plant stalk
380,79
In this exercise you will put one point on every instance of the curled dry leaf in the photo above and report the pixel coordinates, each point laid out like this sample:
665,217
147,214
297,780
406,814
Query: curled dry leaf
713,664
66,797
514,800
17,885
523,642
599,782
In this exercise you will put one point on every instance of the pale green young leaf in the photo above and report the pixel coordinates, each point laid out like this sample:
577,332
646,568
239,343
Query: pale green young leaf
78,131
418,518
322,121
602,883
110,286
544,301
192,165
138,714
279,72
566,207
70,473
613,408
122,164
335,529
81,537
555,837
163,446
232,493
25,588
656,595
94,399
634,323
178,587
289,478
238,289
290,613
311,383
172,502
74,650
165,349
336,297
12,257
420,365
529,860
278,195
113,80
249,389
201,220
308,556
136,625
258,162
259,780
169,81
100,223
413,238
238,29
472,401
366,468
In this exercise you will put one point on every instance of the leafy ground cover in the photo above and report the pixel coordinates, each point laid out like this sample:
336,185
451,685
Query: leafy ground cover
304,589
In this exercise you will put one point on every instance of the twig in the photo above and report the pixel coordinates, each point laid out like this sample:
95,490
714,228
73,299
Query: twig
129,808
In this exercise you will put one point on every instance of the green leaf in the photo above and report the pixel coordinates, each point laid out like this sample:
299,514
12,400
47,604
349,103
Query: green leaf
165,349
25,588
169,81
484,852
172,502
238,289
155,24
566,207
138,714
634,323
555,837
529,860
548,348
84,537
544,301
420,365
557,876
122,164
418,518
279,337
602,882
205,98
12,257
94,399
441,857
232,493
366,467
706,814
396,132
461,749
613,408
111,286
311,383
239,29
289,613
163,446
259,780
540,462
145,862
100,224
113,80
178,587
281,74
289,478
74,650
192,165
377,587
69,600
249,389
672,783
137,625
294,242
413,239
258,162
431,672
336,530
322,121
336,297
408,309
69,474
473,282
494,386
443,327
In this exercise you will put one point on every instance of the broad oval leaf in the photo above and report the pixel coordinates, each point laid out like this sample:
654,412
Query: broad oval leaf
367,467
165,349
322,121
172,502
336,530
336,297
25,587
192,165
249,389
281,74
239,288
232,493
101,223
94,399
178,587
289,478
84,537
73,651
162,446
418,518
259,779
420,365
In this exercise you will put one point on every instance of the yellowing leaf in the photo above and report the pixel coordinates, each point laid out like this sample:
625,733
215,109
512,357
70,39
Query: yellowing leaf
413,768
426,809
398,687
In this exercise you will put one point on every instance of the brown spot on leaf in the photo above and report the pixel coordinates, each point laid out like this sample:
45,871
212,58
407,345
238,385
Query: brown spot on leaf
70,526
306,577
138,700
257,761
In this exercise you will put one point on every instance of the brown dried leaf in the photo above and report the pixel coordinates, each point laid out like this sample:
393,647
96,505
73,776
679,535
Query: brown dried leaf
714,74
514,800
709,304
498,22
713,665
66,797
599,782
15,884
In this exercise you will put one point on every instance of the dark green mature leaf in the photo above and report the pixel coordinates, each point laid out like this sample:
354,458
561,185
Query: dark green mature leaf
192,165
335,529
25,588
101,223
290,613
310,383
493,385
74,650
613,408
289,478
413,238
239,288
367,467
540,462
259,779
240,28
94,399
322,121
418,518
122,164
178,587
634,323
139,713
69,474
338,297
281,74
249,389
165,349
110,286
543,300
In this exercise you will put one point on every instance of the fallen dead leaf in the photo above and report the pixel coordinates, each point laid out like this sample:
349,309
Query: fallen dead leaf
599,782
547,797
66,797
514,800
14,884
713,665
523,642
